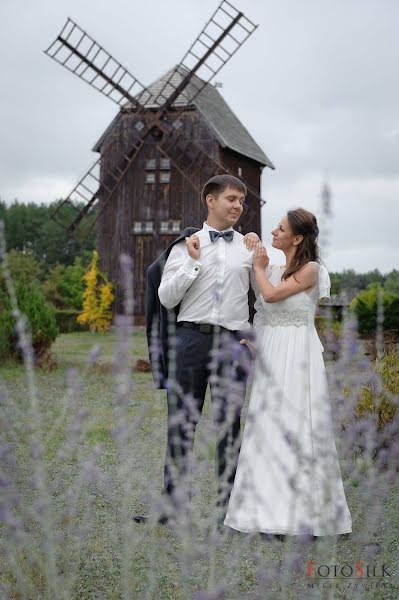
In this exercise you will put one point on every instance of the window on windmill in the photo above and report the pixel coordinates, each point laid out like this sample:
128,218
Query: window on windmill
239,172
150,177
148,227
164,227
151,164
164,164
164,177
137,227
176,226
139,125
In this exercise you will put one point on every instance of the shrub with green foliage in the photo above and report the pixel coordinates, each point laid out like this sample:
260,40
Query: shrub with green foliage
6,333
24,266
40,314
32,303
365,306
64,289
383,403
64,286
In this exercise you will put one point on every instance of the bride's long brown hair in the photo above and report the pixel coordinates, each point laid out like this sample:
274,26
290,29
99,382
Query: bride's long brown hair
302,222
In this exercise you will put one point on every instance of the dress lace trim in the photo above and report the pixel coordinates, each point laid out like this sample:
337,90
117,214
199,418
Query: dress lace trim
285,318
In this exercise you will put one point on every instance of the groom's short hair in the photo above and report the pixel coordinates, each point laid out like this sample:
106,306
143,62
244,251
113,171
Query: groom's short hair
216,185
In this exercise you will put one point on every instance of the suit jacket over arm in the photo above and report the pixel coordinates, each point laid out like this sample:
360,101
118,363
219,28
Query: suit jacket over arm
158,317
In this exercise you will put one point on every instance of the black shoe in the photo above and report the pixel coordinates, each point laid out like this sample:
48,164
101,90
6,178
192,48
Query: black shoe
270,537
220,526
162,519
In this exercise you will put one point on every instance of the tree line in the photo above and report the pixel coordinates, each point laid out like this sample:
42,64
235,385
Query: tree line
30,229
50,269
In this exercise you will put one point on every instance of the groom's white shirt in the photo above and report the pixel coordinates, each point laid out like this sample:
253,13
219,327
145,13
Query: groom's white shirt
213,289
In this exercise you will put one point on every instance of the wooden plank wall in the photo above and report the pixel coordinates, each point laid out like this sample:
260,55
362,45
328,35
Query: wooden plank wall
136,200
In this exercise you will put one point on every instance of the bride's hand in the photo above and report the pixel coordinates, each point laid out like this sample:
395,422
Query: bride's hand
250,346
250,240
260,259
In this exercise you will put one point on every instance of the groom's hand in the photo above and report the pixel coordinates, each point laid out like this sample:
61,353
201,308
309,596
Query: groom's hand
193,246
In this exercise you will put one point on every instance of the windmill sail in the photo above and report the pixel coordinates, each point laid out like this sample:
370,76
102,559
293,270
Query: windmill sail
190,157
75,50
92,187
225,32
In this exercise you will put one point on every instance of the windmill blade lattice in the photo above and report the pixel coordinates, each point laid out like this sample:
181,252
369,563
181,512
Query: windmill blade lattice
189,156
85,191
90,188
189,165
225,32
185,154
190,159
75,50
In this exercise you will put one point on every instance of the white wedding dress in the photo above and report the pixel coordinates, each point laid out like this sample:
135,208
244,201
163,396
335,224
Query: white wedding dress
288,478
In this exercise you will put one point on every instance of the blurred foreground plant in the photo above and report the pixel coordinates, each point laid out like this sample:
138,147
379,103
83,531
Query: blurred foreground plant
77,460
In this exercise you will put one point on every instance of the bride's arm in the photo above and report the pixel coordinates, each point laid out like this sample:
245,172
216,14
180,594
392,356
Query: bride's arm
301,281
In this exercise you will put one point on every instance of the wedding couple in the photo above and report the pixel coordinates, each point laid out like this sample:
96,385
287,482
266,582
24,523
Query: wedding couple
286,477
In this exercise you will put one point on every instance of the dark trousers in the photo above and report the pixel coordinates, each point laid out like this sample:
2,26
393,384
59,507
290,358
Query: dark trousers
202,358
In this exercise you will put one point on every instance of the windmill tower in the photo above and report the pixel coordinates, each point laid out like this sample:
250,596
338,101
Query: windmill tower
165,142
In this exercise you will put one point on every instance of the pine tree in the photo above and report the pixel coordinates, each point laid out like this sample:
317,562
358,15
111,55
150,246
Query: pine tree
97,298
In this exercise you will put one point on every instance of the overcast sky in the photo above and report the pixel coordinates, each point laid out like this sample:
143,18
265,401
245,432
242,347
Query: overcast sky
316,85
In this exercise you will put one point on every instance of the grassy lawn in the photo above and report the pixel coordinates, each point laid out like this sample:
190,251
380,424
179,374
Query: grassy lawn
103,452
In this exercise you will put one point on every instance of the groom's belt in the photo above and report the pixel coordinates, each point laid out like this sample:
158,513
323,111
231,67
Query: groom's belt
204,327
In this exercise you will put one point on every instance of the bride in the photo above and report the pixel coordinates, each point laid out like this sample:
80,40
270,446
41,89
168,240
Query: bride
288,478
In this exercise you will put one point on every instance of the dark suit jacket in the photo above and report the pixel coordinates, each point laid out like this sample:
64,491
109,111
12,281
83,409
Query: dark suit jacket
158,317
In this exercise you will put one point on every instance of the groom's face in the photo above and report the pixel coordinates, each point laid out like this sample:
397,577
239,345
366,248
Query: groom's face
227,207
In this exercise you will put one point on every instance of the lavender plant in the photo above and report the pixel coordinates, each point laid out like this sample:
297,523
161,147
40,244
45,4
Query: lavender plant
82,450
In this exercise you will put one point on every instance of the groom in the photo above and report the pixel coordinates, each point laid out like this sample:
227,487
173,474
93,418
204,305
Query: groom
208,277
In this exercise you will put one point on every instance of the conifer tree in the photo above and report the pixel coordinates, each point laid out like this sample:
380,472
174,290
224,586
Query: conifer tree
97,298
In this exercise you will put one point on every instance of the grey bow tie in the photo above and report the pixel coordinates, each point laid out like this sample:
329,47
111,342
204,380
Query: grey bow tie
227,235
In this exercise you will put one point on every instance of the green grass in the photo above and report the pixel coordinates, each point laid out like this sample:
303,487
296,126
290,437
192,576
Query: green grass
159,563
72,349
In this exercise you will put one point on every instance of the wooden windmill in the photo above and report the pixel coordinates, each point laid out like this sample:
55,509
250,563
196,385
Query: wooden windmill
165,142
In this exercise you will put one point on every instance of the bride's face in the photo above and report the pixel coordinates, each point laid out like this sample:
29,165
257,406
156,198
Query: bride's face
283,237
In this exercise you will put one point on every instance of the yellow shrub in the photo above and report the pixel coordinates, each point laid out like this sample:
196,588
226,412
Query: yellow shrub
97,298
